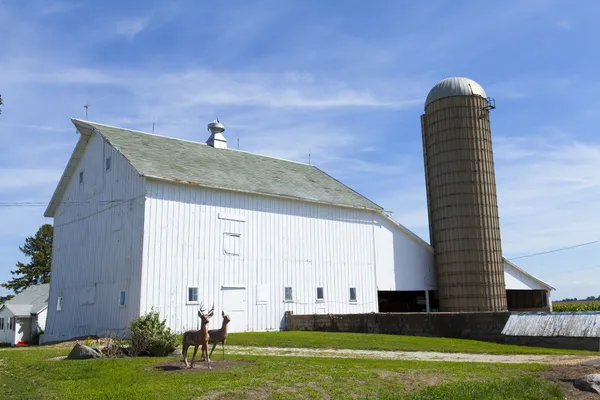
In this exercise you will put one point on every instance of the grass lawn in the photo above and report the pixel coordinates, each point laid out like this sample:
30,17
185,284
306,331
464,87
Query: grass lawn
371,341
29,373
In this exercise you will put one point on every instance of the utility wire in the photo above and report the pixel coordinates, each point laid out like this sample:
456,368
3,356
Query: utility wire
43,204
556,250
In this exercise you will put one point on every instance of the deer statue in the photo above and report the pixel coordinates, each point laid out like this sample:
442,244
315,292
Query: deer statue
219,335
198,337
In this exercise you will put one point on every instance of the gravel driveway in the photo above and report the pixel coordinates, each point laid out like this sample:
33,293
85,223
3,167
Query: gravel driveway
407,355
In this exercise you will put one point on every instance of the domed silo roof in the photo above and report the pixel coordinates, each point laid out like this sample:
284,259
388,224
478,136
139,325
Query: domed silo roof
456,86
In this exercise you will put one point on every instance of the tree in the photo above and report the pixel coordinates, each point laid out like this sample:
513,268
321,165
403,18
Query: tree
0,103
4,299
39,249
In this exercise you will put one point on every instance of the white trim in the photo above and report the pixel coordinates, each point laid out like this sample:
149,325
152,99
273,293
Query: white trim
541,282
187,295
233,287
355,301
67,174
416,238
278,196
292,292
320,300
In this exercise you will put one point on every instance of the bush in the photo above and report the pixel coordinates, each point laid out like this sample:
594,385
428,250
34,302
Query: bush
150,335
35,339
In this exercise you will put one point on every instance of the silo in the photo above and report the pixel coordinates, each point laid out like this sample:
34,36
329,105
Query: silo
461,197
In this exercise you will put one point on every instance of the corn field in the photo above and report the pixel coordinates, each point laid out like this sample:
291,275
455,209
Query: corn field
574,306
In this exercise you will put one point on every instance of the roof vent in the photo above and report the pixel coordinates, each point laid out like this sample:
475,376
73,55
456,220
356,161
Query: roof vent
216,139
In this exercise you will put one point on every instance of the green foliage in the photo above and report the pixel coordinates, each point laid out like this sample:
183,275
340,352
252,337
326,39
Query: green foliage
370,341
575,306
39,249
150,335
35,338
4,299
113,348
89,342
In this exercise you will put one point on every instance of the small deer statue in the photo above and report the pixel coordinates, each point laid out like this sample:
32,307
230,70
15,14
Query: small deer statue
198,337
219,335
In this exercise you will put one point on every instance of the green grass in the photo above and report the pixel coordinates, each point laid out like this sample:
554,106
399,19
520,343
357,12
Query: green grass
27,373
336,340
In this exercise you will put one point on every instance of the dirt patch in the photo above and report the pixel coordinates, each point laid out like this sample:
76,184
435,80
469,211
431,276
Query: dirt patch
57,358
239,394
199,367
564,375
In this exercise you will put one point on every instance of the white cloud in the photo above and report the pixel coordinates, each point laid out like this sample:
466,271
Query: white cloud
564,25
548,191
130,27
20,178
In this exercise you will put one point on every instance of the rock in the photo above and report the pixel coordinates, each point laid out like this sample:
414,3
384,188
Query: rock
175,353
81,352
588,383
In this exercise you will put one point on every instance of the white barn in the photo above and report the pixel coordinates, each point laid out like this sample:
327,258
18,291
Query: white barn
143,221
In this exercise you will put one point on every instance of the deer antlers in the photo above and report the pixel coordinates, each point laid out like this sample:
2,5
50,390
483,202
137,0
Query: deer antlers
201,311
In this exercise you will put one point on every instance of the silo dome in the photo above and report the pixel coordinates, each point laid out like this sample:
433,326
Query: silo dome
457,86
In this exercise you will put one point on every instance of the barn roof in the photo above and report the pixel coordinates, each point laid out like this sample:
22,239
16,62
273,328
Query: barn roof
32,300
188,162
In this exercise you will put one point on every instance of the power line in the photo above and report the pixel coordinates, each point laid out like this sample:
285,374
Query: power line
556,250
44,204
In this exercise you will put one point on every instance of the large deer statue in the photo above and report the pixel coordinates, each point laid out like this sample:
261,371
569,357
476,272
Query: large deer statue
198,337
219,335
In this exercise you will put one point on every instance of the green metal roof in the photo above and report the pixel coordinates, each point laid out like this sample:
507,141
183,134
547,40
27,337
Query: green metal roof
199,164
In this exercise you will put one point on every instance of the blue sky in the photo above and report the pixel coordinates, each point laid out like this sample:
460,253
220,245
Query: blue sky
346,80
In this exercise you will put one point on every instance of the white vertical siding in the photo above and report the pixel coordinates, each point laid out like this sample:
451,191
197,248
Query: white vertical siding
98,230
402,262
6,335
281,243
41,320
515,279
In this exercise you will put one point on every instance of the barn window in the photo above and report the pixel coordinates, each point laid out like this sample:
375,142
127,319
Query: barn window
288,293
192,295
1,323
353,294
231,244
107,164
122,298
320,294
81,177
11,324
59,303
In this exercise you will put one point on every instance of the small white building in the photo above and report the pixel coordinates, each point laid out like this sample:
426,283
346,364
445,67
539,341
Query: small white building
143,221
24,315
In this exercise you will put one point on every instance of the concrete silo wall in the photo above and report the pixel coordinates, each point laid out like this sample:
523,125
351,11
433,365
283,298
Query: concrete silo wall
462,203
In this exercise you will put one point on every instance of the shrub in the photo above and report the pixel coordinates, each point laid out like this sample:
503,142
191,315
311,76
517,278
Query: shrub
150,335
35,339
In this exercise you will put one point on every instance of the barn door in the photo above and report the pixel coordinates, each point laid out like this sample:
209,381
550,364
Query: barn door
235,305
